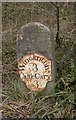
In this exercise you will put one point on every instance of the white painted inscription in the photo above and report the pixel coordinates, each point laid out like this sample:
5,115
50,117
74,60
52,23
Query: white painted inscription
35,71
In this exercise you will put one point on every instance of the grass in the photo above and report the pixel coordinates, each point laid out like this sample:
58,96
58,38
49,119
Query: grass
17,102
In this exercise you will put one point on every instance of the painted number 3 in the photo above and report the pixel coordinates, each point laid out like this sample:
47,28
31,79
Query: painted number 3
35,67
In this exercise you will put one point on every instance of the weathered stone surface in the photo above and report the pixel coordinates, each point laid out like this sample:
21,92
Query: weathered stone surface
36,38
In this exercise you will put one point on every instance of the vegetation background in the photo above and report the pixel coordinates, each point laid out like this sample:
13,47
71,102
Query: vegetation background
16,102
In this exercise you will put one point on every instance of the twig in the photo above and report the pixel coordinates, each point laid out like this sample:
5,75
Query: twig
57,14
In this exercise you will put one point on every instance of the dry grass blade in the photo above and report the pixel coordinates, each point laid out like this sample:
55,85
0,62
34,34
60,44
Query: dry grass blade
55,94
36,113
5,100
